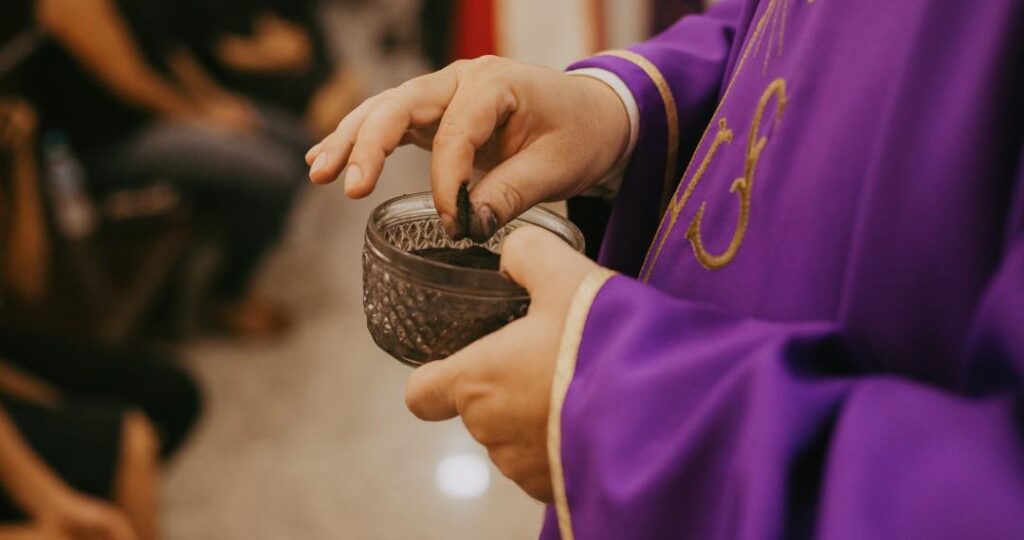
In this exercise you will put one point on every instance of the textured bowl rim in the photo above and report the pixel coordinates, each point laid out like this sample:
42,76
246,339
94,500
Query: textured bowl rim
448,277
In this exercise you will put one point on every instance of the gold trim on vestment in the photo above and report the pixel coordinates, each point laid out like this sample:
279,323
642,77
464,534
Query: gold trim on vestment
565,368
675,204
671,119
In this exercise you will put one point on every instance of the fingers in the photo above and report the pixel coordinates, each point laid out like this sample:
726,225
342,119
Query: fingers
327,158
513,187
430,392
439,390
543,264
474,113
365,138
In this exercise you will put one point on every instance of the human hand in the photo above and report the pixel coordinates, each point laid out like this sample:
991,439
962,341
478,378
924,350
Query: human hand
77,516
501,384
542,134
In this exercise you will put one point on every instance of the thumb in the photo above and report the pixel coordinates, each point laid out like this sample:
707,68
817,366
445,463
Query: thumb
543,264
511,188
430,389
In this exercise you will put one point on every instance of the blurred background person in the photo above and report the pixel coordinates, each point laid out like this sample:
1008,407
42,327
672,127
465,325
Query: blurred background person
271,50
104,488
108,80
81,427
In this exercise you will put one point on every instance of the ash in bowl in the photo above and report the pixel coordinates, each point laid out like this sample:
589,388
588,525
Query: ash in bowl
477,257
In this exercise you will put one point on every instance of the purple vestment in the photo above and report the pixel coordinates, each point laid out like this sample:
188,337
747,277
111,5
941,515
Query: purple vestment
824,334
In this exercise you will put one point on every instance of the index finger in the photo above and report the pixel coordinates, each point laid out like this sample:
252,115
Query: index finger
375,126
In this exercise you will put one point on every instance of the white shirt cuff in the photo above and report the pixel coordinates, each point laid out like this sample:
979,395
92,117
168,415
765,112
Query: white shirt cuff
608,186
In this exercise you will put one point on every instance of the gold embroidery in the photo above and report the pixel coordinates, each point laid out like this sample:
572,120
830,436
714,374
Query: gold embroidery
675,204
723,136
671,118
742,186
565,369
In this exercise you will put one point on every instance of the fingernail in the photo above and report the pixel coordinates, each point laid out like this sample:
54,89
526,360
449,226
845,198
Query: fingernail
314,150
353,176
483,224
318,164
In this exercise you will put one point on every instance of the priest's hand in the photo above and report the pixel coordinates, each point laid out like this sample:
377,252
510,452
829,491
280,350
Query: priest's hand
501,384
542,135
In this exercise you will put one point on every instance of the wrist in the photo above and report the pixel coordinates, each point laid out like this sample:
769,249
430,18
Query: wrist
609,121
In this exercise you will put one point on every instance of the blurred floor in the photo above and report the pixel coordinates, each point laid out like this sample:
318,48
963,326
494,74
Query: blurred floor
308,436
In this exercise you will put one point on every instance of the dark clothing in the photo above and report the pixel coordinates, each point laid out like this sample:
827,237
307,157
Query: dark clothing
70,97
241,187
17,18
86,373
242,184
202,23
81,438
81,442
18,40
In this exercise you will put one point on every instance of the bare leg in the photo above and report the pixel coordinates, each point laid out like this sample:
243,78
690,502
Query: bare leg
137,480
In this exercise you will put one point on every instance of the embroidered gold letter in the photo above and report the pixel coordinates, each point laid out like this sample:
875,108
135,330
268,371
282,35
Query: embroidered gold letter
723,136
742,186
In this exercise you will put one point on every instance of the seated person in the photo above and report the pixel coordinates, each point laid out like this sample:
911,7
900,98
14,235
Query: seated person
72,372
76,473
54,371
107,81
274,51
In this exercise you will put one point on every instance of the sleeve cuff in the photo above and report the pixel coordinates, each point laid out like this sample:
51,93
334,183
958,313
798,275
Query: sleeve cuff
565,368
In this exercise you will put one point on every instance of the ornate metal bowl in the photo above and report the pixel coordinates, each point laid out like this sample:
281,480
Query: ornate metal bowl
419,309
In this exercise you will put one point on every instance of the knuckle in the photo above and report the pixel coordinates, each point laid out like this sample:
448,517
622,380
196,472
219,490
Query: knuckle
388,99
388,109
481,433
504,461
467,394
390,93
488,61
511,197
450,134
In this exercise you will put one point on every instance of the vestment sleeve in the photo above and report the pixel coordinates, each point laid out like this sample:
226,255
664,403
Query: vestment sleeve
675,79
673,419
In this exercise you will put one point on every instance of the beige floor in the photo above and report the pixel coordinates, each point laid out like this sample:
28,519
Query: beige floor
308,437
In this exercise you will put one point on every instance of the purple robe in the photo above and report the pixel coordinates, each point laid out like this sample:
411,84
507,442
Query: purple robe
823,335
